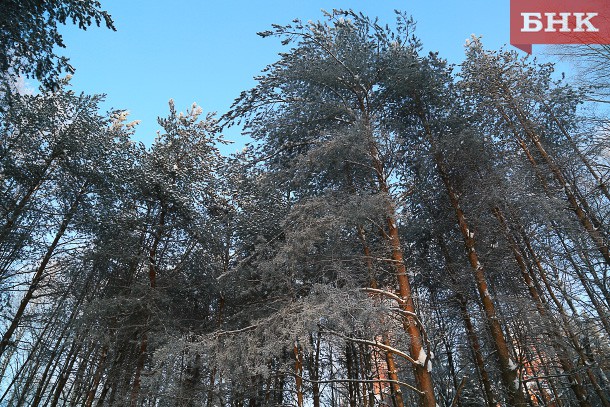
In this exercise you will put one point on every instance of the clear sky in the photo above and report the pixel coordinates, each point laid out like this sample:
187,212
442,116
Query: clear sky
208,51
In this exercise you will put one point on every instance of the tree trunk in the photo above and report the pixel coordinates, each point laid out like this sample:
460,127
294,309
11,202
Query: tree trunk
600,182
351,387
97,376
581,214
421,373
475,346
566,364
39,274
152,277
571,335
298,374
391,364
508,367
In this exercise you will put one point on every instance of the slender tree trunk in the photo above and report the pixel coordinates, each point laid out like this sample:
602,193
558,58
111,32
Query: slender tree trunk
600,182
602,311
393,375
112,379
51,364
368,389
581,213
475,346
97,376
571,335
137,380
448,352
471,333
210,393
508,367
351,387
601,285
39,274
152,277
391,364
20,206
48,331
314,366
298,378
421,373
566,364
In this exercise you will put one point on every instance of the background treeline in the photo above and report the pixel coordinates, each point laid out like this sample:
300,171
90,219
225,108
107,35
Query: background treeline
401,232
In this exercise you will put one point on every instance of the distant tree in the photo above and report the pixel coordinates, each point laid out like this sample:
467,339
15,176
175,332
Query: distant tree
592,67
29,33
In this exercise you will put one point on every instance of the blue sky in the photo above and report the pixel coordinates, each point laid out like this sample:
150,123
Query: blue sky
208,51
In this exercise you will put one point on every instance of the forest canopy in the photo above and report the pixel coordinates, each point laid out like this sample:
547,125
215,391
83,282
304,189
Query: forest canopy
401,231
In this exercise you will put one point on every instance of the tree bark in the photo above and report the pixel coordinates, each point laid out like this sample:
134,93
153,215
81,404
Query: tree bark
508,368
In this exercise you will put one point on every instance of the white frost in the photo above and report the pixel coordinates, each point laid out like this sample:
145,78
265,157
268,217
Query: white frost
429,366
421,359
512,365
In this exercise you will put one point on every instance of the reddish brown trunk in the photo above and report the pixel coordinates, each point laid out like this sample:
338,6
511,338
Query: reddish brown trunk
137,381
97,377
393,375
475,346
391,364
566,364
298,375
508,369
421,373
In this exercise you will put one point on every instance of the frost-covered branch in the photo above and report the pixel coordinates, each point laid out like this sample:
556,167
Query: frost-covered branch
372,343
401,383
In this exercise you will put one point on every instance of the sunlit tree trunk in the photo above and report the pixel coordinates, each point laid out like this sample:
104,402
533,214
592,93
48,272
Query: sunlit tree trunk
508,367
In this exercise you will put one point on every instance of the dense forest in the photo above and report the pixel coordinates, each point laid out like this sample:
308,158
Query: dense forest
400,232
